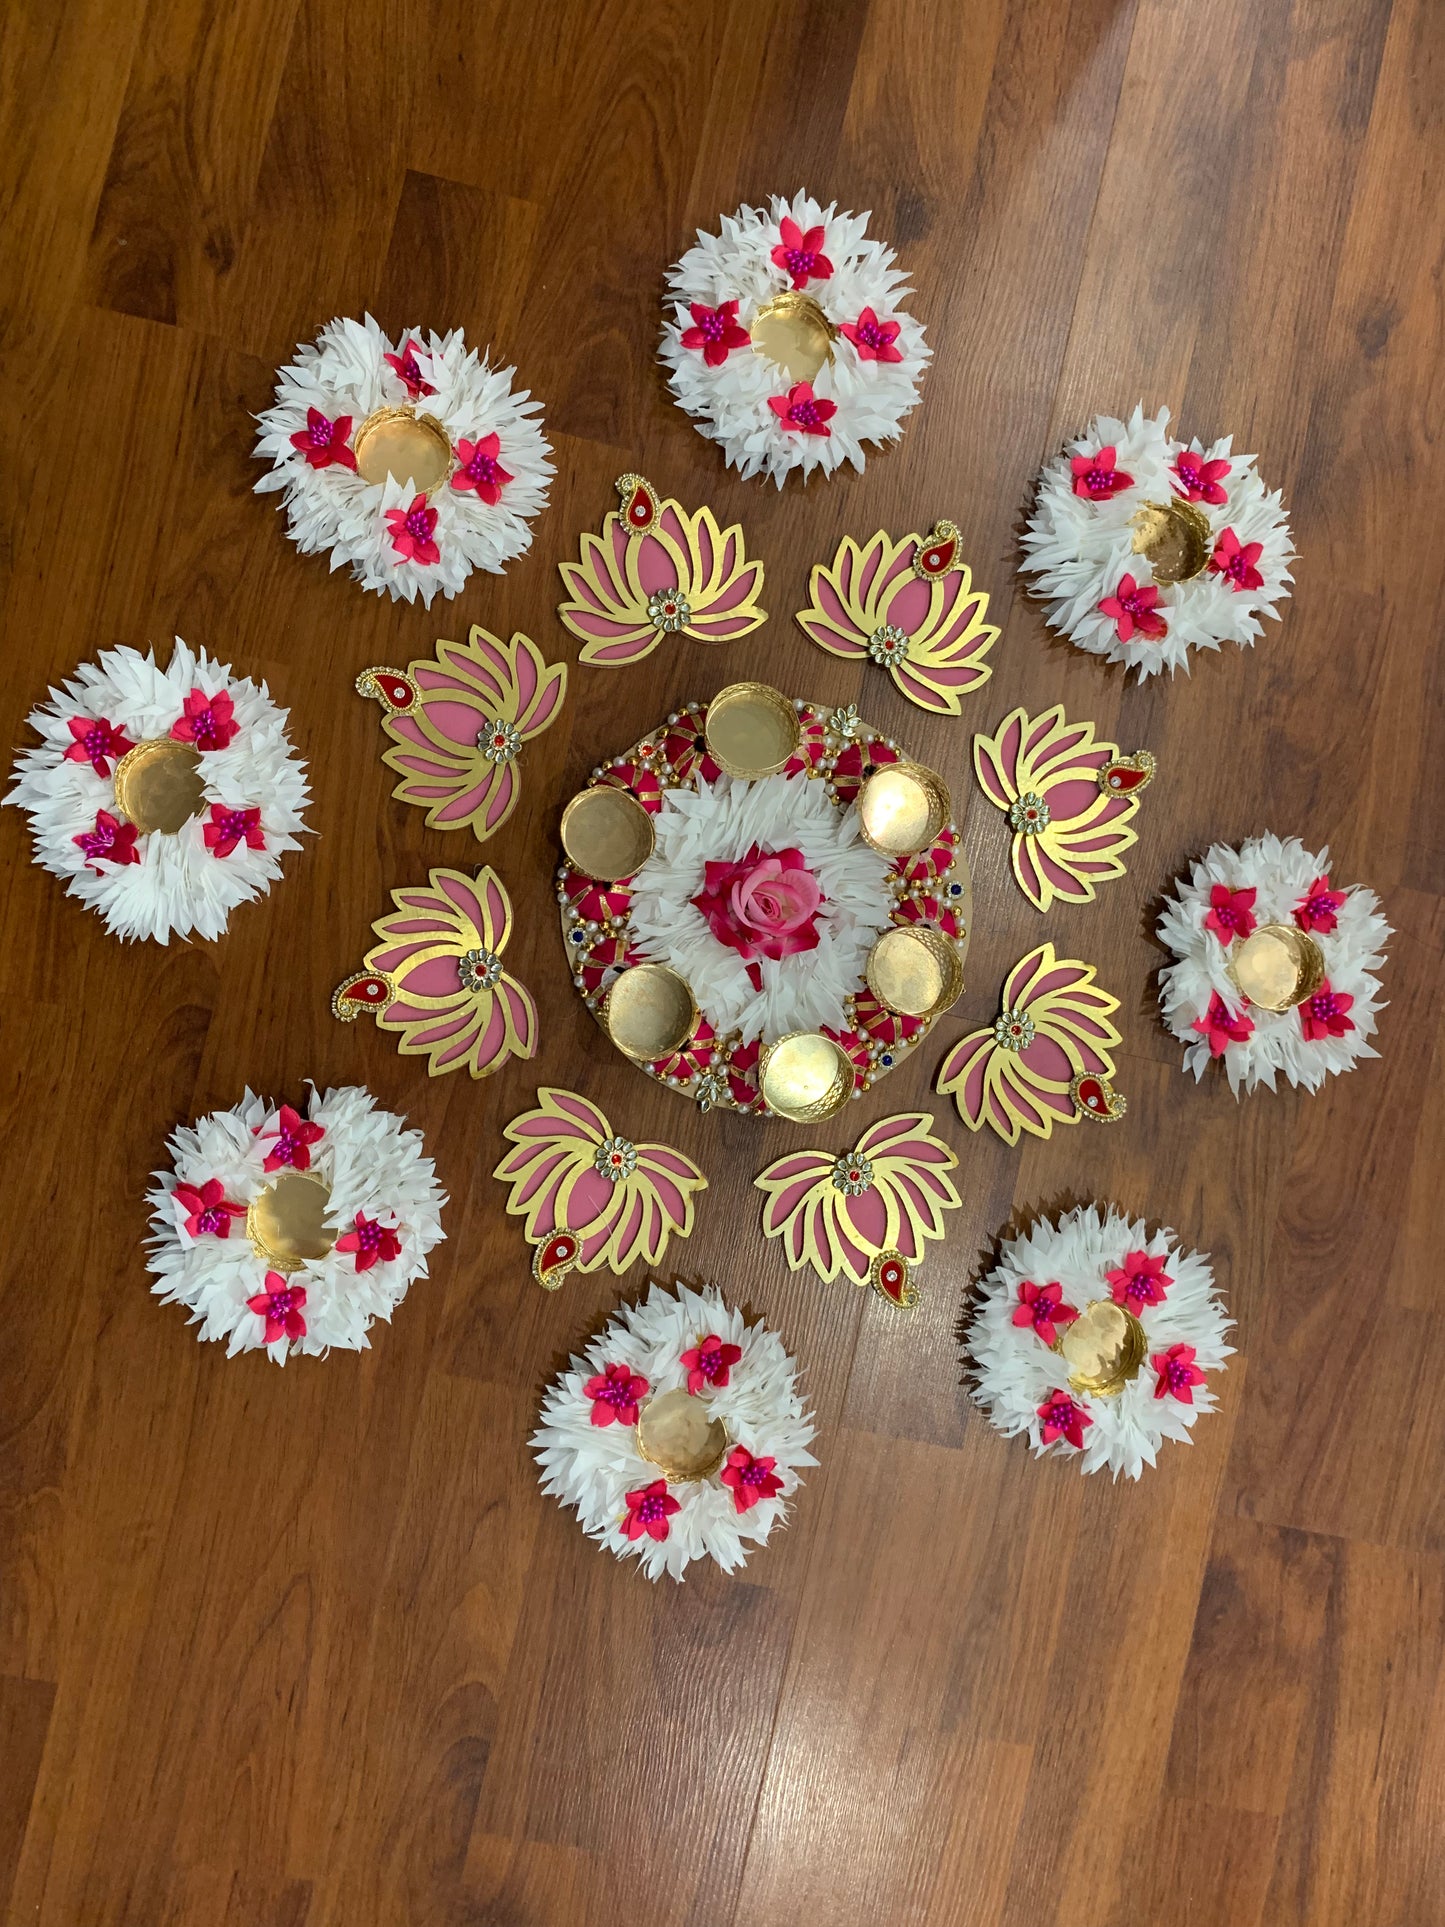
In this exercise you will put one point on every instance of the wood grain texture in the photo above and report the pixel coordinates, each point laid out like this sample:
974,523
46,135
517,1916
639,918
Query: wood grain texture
310,1649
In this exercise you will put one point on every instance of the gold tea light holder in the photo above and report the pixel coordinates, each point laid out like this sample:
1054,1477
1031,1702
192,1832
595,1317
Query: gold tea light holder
902,808
679,1435
606,833
286,1223
649,1012
915,971
1174,538
792,332
752,730
805,1076
406,445
1104,1348
159,786
1276,967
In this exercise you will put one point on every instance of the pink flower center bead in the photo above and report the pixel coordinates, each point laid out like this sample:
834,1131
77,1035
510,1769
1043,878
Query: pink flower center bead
652,1508
369,1236
1324,1005
481,468
320,432
282,1302
97,841
871,333
1137,603
1189,471
1238,567
286,1146
617,1392
233,826
801,261
755,1474
805,413
207,734
1060,1413
215,1221
713,325
1099,481
97,740
1228,915
419,523
1177,1375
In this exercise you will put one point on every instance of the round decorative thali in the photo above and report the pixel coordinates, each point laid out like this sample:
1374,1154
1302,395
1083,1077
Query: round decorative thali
764,902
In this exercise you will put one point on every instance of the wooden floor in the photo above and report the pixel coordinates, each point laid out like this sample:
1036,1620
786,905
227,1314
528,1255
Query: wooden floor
310,1649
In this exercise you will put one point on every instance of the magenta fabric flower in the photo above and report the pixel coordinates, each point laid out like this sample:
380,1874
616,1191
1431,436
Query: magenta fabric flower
407,371
209,721
292,1137
229,828
280,1305
875,340
709,1363
111,841
371,1241
1220,1025
1235,561
1043,1308
648,1510
323,442
801,255
1198,480
1178,1374
763,906
1063,1419
412,530
478,469
750,1480
97,742
1096,477
208,1210
1133,607
615,1394
716,331
1231,913
1324,1014
1318,909
1139,1281
802,411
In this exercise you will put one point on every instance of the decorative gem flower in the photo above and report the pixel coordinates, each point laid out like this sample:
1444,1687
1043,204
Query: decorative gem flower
1042,1310
1028,814
499,740
371,1243
228,828
208,721
281,1305
1231,913
762,906
1235,561
801,255
750,1480
1139,1281
615,1393
1198,480
290,1137
1324,1014
1134,606
715,331
1319,908
438,964
1096,476
648,1510
1178,1373
803,412
838,1229
557,1183
324,442
408,371
208,1210
1054,1026
478,470
709,1363
926,628
1061,1418
1221,1026
412,529
109,841
875,340
711,1087
618,592
853,1176
97,742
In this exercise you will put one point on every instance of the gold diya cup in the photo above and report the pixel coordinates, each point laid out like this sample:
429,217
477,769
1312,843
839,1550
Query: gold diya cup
1276,966
649,1012
399,442
752,729
793,333
1103,1348
902,807
805,1076
677,1434
286,1223
606,833
915,970
1174,539
159,786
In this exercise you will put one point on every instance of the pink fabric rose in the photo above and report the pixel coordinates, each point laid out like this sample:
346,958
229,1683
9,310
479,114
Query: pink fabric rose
764,906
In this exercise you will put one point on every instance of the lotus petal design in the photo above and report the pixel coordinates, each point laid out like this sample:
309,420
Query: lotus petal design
1084,828
927,629
457,722
1054,1026
840,1214
655,570
557,1183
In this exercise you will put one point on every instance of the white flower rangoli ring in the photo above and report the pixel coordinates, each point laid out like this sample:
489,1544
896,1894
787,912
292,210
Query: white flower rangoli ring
412,462
787,341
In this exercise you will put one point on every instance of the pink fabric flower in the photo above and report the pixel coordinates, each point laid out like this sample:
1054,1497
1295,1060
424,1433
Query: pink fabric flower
874,339
802,411
1134,608
595,901
97,742
763,906
801,255
709,1363
1096,477
750,1480
1043,1308
372,1242
1220,1025
412,530
615,1394
280,1305
715,331
404,366
1178,1374
111,841
1198,480
1235,562
1139,1281
648,1510
209,721
478,468
229,828
1231,913
324,442
1063,1419
292,1137
208,1210
1317,910
1323,1015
